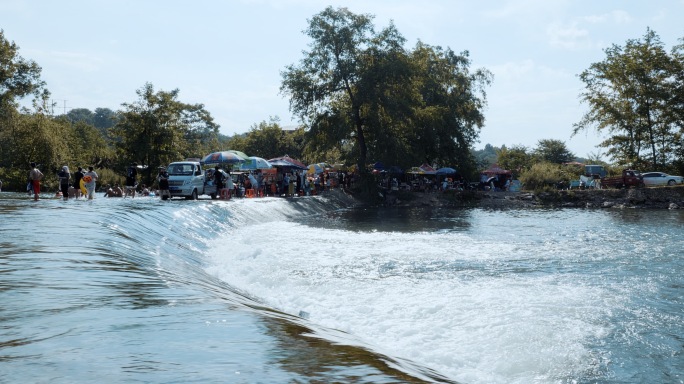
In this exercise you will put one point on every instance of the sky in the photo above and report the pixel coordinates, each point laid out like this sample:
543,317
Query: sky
229,55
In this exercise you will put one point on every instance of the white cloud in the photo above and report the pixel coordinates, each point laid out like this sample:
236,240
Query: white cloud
568,36
615,17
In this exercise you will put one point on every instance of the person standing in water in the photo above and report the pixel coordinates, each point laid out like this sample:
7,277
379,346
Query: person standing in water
90,178
64,177
163,179
36,176
78,175
131,180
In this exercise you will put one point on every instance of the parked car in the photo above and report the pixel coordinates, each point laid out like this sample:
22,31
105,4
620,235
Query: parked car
660,178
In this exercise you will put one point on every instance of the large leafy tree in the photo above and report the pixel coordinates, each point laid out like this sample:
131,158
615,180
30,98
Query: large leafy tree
158,129
360,90
449,114
23,138
325,88
630,97
553,151
18,77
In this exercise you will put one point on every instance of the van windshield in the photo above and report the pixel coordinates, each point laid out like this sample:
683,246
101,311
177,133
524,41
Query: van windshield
180,169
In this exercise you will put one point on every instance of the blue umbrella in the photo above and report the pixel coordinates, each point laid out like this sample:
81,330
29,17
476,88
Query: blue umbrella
222,157
254,163
446,171
287,162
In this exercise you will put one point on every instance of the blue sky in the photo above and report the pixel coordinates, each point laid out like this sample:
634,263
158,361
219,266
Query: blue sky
228,55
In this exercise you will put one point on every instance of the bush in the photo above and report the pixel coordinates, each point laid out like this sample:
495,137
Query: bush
545,176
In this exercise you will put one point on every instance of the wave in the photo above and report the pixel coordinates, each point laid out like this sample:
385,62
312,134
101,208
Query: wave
177,243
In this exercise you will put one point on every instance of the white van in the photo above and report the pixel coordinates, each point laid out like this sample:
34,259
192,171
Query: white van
186,179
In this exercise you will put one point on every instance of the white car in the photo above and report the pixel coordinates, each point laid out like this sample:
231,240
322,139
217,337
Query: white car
659,178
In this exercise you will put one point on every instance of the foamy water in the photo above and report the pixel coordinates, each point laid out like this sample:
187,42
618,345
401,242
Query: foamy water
526,306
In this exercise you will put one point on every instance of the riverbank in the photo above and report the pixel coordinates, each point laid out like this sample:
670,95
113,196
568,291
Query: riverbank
643,198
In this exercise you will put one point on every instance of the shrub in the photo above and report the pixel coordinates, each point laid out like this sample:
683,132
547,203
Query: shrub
545,176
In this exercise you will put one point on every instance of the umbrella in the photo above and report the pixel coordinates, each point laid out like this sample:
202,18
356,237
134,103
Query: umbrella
315,169
287,162
239,153
416,171
222,157
254,162
320,168
446,171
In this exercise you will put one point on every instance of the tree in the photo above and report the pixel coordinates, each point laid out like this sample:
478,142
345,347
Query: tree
18,77
80,115
450,110
553,151
630,94
361,90
517,159
486,156
269,140
325,88
158,129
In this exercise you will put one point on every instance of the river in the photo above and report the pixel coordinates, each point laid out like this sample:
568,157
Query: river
273,290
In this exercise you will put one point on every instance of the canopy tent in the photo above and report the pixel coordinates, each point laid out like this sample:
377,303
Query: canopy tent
428,169
422,170
287,162
496,170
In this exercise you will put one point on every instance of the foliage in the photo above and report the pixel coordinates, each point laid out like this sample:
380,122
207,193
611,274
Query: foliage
158,129
485,157
102,118
18,77
269,140
635,95
325,88
516,159
544,174
361,93
553,151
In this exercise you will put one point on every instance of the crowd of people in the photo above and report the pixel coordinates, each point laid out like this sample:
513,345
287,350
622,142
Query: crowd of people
279,182
70,185
273,182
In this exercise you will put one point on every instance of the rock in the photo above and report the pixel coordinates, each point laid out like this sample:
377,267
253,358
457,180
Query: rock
673,206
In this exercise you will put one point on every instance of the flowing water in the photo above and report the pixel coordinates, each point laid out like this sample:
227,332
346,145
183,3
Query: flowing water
305,290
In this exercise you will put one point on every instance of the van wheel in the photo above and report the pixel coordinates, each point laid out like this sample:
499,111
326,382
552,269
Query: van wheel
213,196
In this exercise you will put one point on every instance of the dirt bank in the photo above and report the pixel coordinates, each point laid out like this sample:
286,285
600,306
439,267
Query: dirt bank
645,198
